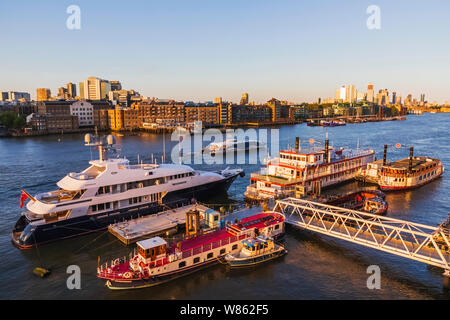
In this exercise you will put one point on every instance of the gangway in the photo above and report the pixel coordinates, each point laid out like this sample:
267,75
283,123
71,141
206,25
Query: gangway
427,244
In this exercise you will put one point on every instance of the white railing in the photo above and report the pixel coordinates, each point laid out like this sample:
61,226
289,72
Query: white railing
430,245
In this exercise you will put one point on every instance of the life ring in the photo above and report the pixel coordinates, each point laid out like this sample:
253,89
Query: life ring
127,275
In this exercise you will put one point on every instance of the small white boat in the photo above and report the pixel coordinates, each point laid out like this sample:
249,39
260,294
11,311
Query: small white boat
231,145
255,251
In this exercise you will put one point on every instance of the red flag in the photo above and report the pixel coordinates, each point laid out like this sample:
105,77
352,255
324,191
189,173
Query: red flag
23,197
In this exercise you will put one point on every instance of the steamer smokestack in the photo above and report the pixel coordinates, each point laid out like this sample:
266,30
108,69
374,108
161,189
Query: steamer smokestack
411,156
385,154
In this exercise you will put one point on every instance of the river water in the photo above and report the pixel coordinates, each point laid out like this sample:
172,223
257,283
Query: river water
316,267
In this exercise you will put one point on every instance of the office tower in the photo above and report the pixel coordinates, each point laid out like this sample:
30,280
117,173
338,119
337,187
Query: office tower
361,96
16,96
115,85
244,99
383,97
394,96
422,99
62,93
408,100
218,100
43,94
105,88
338,94
71,90
342,93
370,93
94,89
350,93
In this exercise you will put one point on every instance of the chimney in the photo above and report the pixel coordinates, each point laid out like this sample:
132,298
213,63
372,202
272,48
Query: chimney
411,156
326,149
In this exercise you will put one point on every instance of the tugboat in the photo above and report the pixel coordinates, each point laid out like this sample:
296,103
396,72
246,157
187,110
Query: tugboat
370,201
255,251
111,190
156,262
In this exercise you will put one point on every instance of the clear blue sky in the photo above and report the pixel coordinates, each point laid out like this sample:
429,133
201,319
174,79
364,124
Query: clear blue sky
200,49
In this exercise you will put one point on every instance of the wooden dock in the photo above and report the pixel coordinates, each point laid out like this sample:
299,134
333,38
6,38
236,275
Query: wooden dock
153,225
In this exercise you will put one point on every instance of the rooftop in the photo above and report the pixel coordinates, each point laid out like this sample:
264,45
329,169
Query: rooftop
417,163
151,243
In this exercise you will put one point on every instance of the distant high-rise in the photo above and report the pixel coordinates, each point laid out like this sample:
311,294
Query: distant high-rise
218,100
383,97
71,90
342,93
422,98
370,93
43,94
14,96
353,94
62,93
94,89
244,99
408,100
115,85
394,97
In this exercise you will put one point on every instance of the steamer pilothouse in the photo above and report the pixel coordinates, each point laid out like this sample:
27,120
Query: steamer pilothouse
111,190
298,171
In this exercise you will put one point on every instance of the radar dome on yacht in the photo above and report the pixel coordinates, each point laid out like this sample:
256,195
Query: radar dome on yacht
87,138
110,139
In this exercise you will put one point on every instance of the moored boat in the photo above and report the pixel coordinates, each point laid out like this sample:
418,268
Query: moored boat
333,123
370,201
298,171
156,261
232,145
255,251
110,190
404,174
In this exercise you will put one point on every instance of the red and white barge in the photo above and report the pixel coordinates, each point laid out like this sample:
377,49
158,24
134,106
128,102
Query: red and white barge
156,262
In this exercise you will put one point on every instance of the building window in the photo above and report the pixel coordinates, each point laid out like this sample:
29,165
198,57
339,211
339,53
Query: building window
182,264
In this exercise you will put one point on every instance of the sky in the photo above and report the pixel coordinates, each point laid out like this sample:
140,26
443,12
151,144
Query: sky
201,49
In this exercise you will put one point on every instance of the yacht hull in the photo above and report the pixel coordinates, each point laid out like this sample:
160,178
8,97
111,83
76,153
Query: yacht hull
45,233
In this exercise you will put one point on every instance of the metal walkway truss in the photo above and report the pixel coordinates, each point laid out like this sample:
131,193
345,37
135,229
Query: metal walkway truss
411,240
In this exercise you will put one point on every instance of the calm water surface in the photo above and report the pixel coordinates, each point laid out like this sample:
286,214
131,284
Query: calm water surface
317,267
